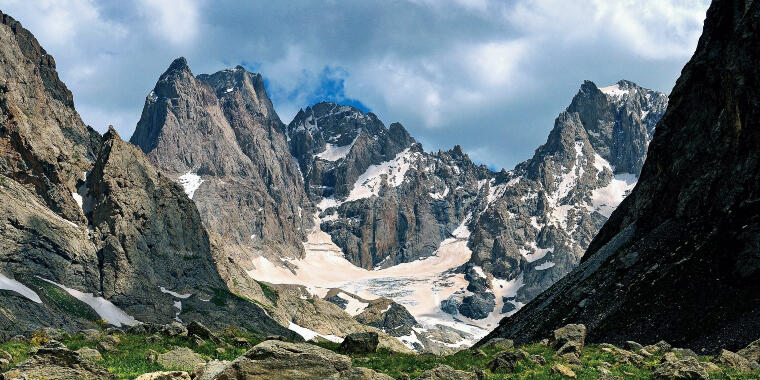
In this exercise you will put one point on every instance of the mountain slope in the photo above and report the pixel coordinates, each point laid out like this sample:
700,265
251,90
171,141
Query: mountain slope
678,260
89,229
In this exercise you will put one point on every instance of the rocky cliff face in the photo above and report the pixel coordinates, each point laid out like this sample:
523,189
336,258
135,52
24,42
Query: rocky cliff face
89,229
536,220
678,260
220,137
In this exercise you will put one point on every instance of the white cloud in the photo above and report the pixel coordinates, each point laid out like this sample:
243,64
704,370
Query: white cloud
175,21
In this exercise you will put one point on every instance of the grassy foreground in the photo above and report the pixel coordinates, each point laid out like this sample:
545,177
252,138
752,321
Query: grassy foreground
130,358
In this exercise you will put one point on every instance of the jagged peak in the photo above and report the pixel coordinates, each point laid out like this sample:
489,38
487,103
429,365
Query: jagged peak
111,134
178,64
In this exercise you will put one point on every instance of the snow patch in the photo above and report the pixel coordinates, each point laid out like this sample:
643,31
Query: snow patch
175,294
368,184
614,91
15,286
334,152
190,182
440,195
310,334
544,266
354,306
103,307
606,199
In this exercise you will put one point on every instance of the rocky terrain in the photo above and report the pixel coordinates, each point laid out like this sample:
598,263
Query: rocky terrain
90,231
678,260
176,352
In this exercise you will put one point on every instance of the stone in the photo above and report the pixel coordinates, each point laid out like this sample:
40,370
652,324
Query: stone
165,375
53,362
732,360
240,342
500,343
108,343
151,356
4,363
55,334
180,358
277,337
210,370
220,350
683,352
568,339
198,329
669,357
506,361
643,352
444,372
563,371
91,334
154,338
17,339
538,359
359,343
5,355
89,354
277,360
478,353
571,357
632,346
174,329
751,352
682,369
605,374
659,347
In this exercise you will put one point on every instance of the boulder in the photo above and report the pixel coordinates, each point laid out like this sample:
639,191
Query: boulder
682,369
174,329
5,355
91,334
108,343
89,354
180,358
360,343
500,343
732,360
210,370
241,342
276,360
506,361
165,375
359,373
53,362
571,358
683,352
659,347
444,372
563,371
538,359
632,346
197,328
569,338
751,352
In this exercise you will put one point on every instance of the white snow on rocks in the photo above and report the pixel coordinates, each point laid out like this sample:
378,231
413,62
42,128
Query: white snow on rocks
441,195
534,253
15,286
354,306
310,334
78,199
368,184
334,152
614,91
606,199
545,266
190,182
103,307
175,294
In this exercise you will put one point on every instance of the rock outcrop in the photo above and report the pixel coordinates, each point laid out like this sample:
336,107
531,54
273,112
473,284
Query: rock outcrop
220,136
678,260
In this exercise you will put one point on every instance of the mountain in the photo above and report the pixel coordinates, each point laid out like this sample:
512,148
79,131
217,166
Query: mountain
220,137
455,243
678,260
89,229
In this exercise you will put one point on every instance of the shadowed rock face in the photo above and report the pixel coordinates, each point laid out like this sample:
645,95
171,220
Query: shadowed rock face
678,260
223,129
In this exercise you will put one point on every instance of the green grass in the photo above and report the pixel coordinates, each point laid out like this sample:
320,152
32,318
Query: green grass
269,293
52,294
130,358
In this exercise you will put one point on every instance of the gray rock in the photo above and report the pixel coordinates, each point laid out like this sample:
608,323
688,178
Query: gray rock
563,371
686,369
733,360
53,362
89,354
444,372
108,343
5,355
180,358
278,360
683,352
500,342
506,361
174,329
751,352
164,375
568,339
359,343
210,370
198,329
632,346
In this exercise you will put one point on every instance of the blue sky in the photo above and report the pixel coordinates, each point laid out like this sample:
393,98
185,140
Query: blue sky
488,75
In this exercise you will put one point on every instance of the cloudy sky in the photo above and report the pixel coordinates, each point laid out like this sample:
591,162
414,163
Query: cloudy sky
488,75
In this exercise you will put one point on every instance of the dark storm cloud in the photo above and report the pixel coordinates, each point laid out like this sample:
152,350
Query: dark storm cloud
488,75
